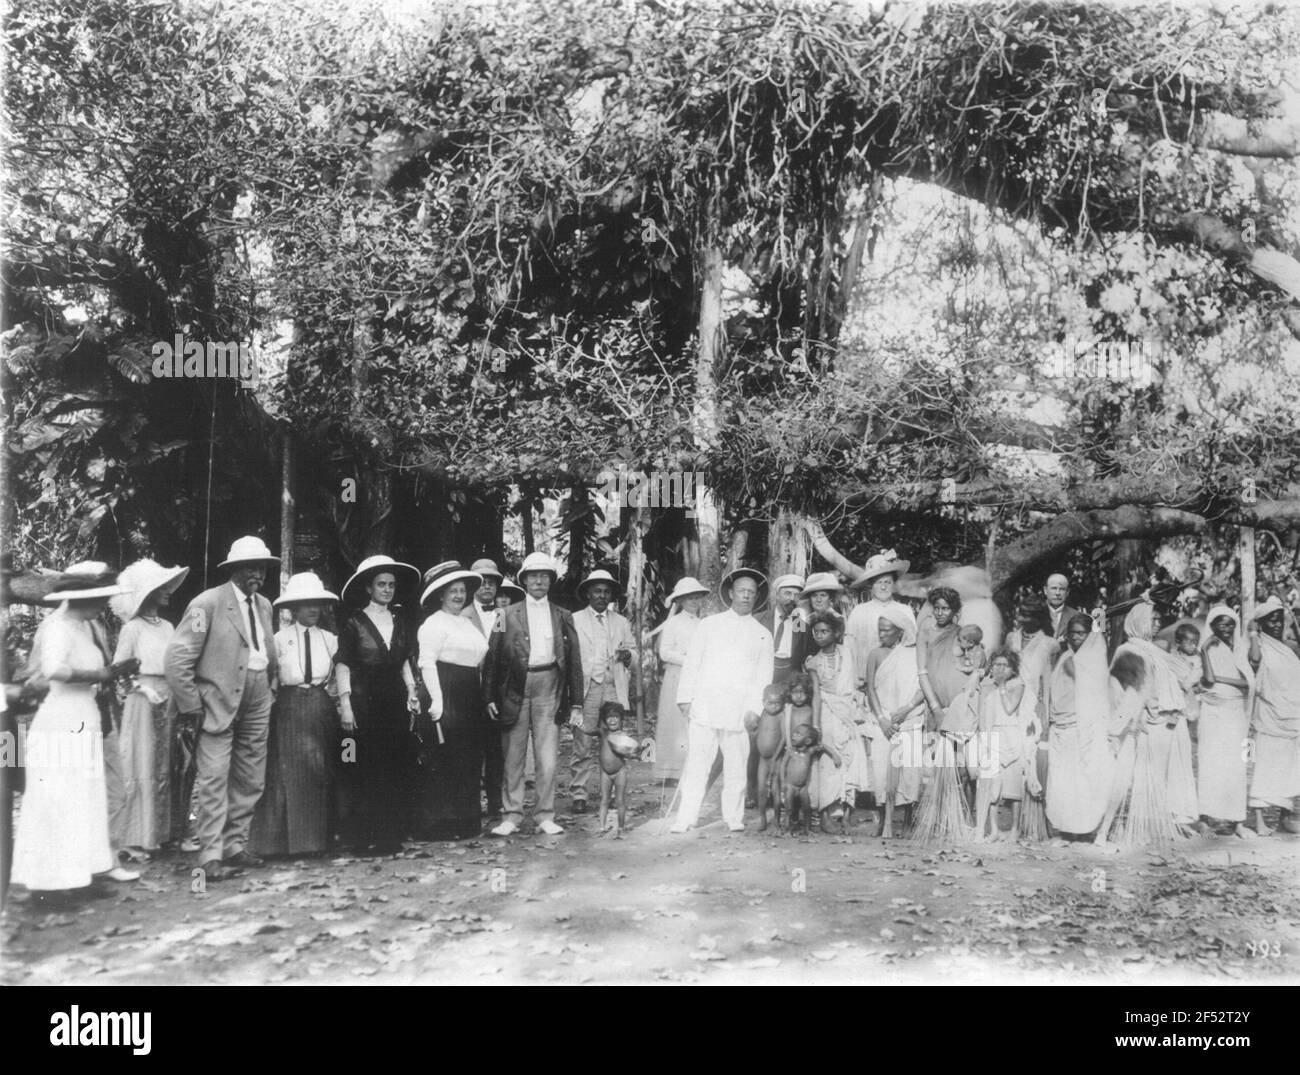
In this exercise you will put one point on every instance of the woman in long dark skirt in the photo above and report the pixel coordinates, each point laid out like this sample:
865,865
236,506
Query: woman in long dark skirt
377,702
293,815
455,730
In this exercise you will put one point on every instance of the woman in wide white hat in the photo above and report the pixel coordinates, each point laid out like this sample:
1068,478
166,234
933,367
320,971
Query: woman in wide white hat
293,815
142,820
821,591
455,730
378,701
675,636
879,576
63,840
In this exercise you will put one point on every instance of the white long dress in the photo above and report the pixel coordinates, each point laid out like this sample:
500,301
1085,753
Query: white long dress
63,826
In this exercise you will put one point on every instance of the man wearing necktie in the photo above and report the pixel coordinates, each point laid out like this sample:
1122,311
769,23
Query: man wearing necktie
221,666
605,638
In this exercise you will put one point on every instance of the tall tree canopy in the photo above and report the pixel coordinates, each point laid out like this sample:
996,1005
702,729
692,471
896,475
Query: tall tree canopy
493,231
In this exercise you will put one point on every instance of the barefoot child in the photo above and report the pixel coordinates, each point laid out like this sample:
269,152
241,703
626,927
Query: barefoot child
616,747
771,732
799,707
796,772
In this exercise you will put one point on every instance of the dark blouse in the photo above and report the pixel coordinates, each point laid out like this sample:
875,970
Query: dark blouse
375,668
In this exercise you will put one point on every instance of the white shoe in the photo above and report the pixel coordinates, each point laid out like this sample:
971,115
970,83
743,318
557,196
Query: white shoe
506,828
679,828
549,828
736,828
117,873
190,844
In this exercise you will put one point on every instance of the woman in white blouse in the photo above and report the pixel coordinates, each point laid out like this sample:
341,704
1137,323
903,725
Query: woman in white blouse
142,820
675,637
63,840
295,811
455,728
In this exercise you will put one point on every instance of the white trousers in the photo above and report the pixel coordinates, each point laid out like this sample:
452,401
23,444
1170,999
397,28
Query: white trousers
702,746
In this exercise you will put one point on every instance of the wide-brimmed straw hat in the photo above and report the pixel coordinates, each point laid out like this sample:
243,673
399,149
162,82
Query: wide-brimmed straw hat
883,563
515,592
444,574
249,550
140,581
821,582
83,581
405,574
729,580
538,561
599,575
688,587
486,568
304,588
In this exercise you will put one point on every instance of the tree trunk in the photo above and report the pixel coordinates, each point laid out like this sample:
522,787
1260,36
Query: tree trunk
708,511
288,512
636,608
789,545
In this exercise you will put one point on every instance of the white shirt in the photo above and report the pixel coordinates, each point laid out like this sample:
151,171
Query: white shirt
257,658
484,618
785,647
727,666
293,656
541,634
382,618
452,640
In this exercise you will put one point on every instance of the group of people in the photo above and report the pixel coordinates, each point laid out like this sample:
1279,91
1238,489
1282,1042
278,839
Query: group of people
283,741
280,742
1188,726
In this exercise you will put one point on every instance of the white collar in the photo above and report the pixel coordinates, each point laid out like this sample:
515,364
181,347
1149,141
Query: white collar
538,602
375,609
240,596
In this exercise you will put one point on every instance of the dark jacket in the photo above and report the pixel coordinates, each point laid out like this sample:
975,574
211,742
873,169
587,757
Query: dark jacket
802,645
506,666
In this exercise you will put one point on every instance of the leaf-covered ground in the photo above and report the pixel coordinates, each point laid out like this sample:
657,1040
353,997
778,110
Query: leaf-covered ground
705,907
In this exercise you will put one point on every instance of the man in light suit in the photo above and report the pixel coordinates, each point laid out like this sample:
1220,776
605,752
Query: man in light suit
482,612
722,683
221,667
605,637
531,676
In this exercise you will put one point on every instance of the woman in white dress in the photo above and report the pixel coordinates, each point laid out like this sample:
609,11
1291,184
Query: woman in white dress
455,729
63,840
142,820
675,637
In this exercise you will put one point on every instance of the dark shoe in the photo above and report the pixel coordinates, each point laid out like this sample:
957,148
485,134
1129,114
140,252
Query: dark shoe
213,871
579,806
243,860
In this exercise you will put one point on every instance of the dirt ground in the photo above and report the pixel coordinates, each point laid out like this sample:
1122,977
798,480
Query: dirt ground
709,906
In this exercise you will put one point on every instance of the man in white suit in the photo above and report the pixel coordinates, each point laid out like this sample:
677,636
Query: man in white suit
728,664
605,638
221,667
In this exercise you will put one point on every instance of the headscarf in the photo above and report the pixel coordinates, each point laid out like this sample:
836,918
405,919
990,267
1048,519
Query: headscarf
1238,641
902,617
1162,689
1140,622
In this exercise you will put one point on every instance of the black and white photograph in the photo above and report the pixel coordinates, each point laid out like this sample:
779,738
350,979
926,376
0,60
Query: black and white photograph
667,492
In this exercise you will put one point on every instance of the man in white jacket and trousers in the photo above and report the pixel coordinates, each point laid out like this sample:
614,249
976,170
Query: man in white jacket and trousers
727,666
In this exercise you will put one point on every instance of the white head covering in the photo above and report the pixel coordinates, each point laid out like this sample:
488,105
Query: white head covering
902,617
1140,621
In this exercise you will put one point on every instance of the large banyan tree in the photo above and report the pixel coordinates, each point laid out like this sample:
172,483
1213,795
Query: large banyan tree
521,245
